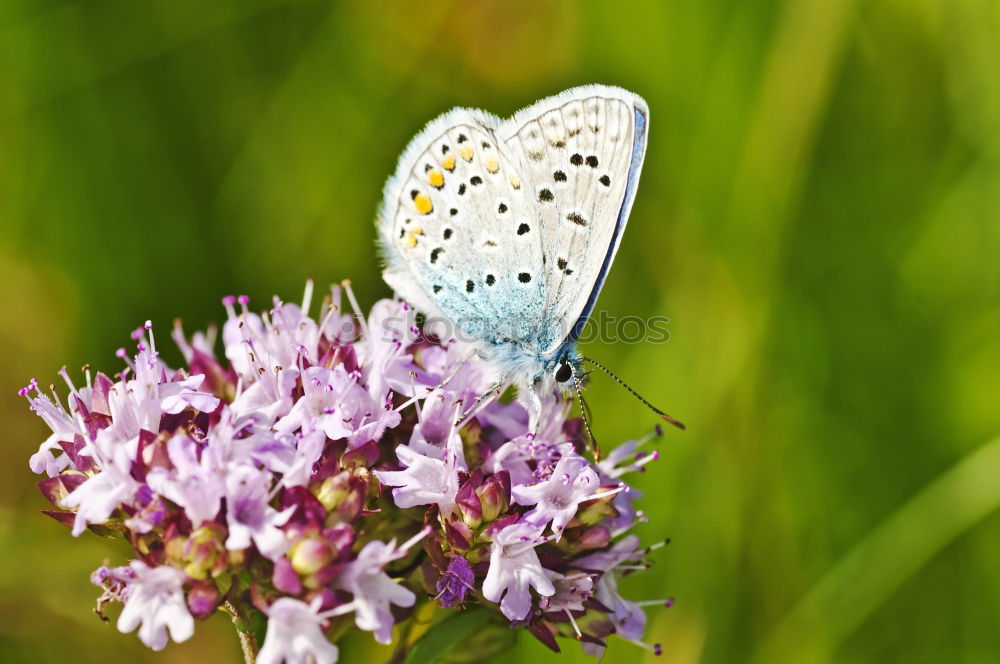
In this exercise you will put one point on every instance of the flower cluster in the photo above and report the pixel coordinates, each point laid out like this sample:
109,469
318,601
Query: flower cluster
315,474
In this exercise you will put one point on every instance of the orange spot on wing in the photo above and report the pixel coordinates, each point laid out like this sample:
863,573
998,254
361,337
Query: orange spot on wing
423,204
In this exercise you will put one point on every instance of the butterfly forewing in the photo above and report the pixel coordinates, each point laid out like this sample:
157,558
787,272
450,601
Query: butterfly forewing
580,151
460,231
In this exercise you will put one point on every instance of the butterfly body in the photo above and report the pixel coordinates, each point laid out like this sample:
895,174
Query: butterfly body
507,228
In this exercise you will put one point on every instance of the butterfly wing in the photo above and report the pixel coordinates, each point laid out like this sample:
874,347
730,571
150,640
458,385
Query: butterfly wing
458,230
581,151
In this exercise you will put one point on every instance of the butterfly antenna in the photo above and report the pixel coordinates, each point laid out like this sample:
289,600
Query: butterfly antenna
638,396
585,410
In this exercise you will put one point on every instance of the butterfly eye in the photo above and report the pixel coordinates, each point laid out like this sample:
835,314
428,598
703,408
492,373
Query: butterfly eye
563,373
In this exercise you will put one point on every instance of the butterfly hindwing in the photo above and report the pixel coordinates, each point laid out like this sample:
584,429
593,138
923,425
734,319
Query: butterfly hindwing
581,150
459,230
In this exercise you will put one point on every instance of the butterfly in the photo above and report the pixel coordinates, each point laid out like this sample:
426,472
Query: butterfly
508,228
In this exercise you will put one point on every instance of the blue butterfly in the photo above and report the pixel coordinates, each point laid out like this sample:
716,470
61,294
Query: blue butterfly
508,228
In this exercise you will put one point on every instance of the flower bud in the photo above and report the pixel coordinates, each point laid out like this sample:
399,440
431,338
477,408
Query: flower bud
343,495
468,504
494,495
333,490
309,555
202,599
204,553
459,535
594,537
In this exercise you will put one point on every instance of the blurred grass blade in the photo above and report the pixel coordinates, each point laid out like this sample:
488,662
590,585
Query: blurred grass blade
445,636
862,580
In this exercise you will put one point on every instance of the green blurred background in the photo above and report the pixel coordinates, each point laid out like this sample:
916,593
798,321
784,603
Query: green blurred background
819,216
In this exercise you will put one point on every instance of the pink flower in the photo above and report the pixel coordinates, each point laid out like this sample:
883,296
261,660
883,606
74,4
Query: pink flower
336,404
155,600
295,634
424,480
557,499
100,495
196,484
373,590
514,568
249,514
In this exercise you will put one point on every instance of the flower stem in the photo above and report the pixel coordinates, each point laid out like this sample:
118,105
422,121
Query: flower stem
248,642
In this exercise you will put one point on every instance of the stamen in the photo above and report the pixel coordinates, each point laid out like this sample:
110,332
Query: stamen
307,297
665,603
611,492
181,342
576,628
122,354
358,313
455,447
329,309
55,398
152,341
655,648
68,381
228,302
338,611
416,402
658,545
405,546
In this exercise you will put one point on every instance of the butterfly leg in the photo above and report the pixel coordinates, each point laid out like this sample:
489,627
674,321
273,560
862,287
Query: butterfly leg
534,412
483,400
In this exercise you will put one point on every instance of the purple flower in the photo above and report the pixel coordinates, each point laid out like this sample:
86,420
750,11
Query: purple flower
100,495
155,600
455,582
336,404
197,485
424,481
250,515
295,634
372,588
514,567
63,426
628,617
557,498
262,478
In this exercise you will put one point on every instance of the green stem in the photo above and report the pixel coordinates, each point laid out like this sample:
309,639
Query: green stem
248,642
